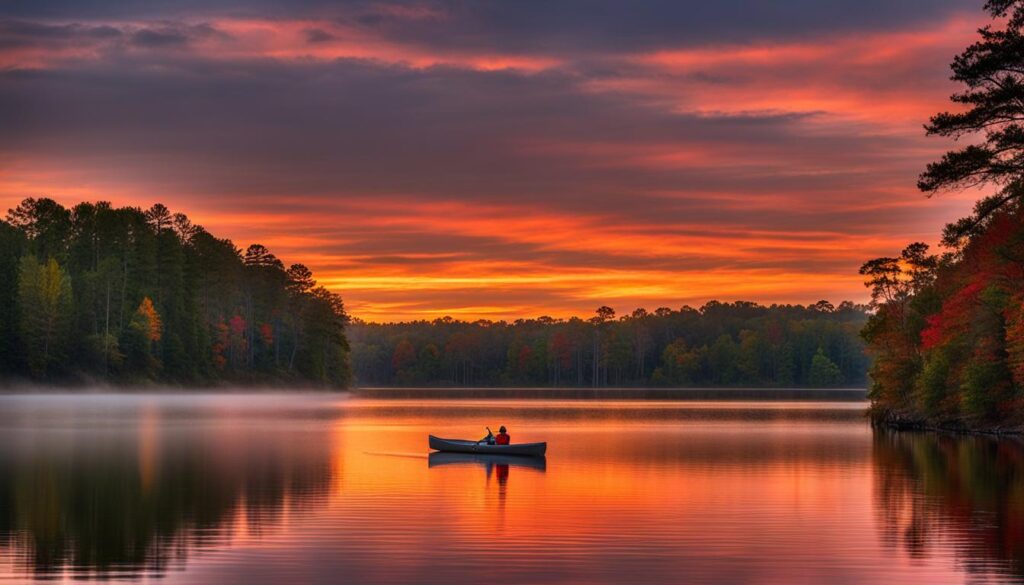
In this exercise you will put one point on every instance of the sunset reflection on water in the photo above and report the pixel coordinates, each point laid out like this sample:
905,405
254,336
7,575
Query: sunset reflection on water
323,488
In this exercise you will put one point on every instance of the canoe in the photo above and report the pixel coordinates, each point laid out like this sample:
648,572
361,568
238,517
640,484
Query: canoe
439,458
460,446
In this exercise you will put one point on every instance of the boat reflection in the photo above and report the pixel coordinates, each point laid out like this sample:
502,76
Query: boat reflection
489,462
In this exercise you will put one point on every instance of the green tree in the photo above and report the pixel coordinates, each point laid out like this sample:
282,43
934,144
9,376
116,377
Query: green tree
46,224
824,372
44,299
429,364
680,366
722,359
933,384
12,247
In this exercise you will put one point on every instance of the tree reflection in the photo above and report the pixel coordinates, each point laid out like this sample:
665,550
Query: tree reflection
963,492
115,510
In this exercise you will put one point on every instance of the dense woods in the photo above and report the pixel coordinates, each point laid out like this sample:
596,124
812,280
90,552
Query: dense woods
97,293
948,332
720,344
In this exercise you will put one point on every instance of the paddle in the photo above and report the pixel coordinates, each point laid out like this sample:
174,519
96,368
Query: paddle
489,433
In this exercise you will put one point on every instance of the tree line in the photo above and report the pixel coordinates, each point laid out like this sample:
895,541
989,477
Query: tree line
123,295
719,344
947,333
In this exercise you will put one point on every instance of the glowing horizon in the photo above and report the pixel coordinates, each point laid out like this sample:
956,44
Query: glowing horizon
428,160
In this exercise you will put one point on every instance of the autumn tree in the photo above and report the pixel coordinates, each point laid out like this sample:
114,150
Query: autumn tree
403,358
147,320
945,335
144,331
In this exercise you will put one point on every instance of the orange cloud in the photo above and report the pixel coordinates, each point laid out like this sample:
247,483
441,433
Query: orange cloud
865,76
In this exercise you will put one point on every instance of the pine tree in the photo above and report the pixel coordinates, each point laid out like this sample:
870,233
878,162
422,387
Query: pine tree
993,71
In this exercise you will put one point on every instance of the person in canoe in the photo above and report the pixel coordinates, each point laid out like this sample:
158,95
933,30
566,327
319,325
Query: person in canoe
501,439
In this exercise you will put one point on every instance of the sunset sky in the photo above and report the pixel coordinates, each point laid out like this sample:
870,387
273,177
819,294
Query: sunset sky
501,159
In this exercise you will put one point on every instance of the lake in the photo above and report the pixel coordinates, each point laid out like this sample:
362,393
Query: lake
319,488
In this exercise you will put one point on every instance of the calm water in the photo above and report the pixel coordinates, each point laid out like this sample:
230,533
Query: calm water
324,489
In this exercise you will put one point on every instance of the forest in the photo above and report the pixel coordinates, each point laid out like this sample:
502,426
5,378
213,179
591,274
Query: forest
98,294
947,330
719,344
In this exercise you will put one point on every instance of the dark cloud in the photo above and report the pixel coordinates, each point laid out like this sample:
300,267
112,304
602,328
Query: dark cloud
316,35
20,33
555,25
610,25
152,38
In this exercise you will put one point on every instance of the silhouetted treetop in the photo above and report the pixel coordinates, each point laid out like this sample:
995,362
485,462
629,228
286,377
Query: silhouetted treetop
993,71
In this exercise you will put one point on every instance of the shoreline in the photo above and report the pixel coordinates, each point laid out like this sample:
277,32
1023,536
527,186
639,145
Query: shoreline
906,425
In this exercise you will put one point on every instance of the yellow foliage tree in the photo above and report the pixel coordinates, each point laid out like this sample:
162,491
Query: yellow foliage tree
149,319
44,298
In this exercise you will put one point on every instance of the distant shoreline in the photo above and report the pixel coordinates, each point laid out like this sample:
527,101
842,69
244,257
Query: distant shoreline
541,393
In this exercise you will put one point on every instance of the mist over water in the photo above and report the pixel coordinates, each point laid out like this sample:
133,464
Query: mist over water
327,488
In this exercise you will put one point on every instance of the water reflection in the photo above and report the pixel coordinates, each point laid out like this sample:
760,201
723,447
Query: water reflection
960,492
204,491
126,494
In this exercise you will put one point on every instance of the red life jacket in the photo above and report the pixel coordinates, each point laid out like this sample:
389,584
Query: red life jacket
502,439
